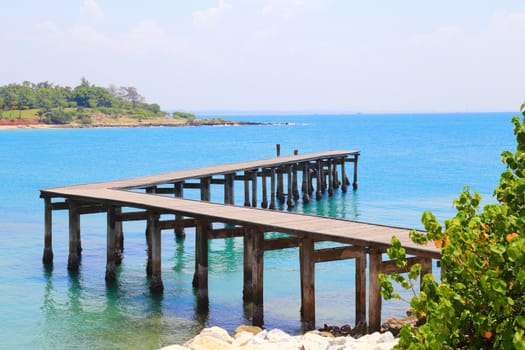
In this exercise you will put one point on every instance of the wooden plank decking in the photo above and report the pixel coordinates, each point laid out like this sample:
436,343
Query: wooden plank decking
360,239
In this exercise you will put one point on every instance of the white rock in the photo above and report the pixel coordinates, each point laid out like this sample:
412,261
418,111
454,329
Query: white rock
370,338
313,341
206,342
174,347
385,337
274,346
279,336
260,338
217,332
243,338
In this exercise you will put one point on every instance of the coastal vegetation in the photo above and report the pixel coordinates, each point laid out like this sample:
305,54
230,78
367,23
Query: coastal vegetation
84,105
480,301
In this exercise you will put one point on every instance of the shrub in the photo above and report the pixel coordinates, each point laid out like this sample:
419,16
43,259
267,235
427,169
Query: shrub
480,301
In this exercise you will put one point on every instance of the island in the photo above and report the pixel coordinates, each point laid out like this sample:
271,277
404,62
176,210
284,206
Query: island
46,104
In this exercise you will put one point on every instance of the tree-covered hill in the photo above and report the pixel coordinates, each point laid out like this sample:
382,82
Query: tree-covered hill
86,104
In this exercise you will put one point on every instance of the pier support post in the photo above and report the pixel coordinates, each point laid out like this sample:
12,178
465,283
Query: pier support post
257,278
290,202
201,263
149,268
280,184
178,189
306,183
354,183
254,188
75,246
272,189
295,188
319,180
119,237
374,290
246,189
156,285
330,178
248,244
360,289
228,188
264,203
111,250
307,267
205,188
47,257
343,176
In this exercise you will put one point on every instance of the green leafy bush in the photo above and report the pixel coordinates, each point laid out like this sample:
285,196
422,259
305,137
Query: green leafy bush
480,301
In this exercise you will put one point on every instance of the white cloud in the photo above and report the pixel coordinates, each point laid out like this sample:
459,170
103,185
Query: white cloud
266,10
91,9
208,17
89,36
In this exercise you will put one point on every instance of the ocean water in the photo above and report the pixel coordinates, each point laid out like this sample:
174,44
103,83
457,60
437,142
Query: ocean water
408,164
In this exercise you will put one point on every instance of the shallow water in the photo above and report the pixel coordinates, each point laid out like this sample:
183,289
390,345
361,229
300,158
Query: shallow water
408,164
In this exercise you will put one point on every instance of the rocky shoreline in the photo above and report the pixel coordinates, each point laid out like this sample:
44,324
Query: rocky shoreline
255,338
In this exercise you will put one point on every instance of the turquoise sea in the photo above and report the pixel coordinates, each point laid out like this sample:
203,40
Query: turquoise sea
409,163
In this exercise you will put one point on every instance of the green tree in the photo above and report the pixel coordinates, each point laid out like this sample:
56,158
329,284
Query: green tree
480,301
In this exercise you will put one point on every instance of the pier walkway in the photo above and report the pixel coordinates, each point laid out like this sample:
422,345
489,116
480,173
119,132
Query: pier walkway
159,200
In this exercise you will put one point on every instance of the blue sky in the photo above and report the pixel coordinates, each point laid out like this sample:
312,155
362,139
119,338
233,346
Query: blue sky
282,55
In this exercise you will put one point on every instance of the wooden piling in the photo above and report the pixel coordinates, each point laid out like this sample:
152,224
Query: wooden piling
280,184
374,291
75,246
47,257
110,245
248,245
156,285
201,261
272,190
178,189
246,189
205,188
330,178
258,278
354,183
360,288
343,176
290,202
306,182
307,267
295,188
229,189
254,188
264,203
319,181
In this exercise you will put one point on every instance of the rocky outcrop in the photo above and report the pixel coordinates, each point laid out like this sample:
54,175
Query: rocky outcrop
254,338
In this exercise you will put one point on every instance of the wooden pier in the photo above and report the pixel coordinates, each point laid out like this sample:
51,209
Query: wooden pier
160,201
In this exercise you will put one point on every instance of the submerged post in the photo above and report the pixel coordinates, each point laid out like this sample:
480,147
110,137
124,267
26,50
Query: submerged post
354,183
75,246
156,285
201,263
248,245
178,188
110,245
47,258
